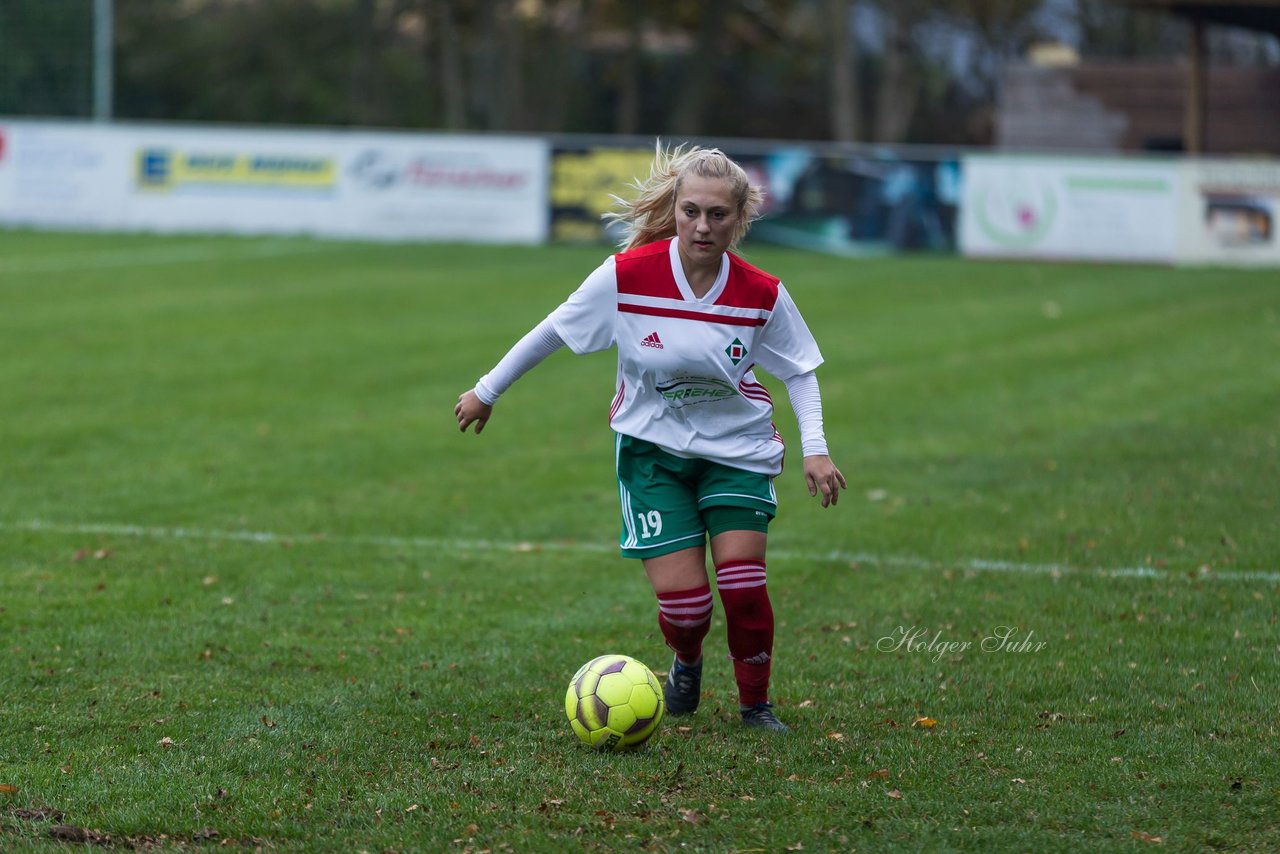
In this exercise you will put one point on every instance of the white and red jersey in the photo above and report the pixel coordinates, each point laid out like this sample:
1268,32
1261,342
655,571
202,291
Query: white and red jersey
685,379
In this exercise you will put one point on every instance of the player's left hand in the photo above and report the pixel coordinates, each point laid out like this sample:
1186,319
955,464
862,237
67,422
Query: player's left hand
821,475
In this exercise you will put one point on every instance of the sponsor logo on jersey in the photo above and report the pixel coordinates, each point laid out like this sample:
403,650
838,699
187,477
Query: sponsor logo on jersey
737,351
652,340
686,391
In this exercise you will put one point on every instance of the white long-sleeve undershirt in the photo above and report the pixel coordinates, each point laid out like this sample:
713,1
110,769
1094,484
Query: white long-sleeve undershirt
806,402
543,340
528,353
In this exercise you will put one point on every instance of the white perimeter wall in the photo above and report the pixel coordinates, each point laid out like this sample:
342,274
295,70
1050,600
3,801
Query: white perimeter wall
489,189
357,184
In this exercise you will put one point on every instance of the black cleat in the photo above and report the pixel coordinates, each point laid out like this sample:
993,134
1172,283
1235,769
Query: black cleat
683,688
761,716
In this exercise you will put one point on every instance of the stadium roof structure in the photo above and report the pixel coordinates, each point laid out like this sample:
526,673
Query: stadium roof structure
1261,15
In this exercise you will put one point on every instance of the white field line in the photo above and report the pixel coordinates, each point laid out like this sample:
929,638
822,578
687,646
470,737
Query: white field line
462,546
197,253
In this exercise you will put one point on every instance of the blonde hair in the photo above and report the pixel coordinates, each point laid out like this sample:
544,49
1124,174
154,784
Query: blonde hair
651,215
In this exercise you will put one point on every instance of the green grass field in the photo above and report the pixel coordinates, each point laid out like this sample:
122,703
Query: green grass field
257,590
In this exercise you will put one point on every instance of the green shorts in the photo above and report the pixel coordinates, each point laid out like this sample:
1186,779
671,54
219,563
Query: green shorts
671,503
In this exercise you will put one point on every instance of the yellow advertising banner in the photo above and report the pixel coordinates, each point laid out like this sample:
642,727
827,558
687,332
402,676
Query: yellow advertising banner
583,183
167,169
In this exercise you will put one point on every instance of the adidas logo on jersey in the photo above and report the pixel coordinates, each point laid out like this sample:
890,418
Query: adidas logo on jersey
651,340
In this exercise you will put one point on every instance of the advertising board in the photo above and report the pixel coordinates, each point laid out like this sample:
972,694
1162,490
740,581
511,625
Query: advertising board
1230,212
469,189
364,185
872,203
1102,209
60,175
584,181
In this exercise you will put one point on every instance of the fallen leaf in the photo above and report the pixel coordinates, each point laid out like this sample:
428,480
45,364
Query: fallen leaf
895,794
799,846
806,704
1146,837
836,736
80,555
269,724
79,835
551,804
923,721
8,790
411,808
879,774
690,816
100,554
166,742
473,829
1019,780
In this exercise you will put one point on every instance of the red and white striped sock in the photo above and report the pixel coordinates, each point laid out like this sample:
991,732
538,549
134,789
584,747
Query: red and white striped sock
749,615
685,618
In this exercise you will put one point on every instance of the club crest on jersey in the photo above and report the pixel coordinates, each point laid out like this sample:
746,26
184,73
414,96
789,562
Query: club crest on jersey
737,351
652,340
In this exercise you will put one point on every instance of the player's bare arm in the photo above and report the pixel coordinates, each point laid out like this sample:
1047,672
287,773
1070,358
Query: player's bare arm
821,475
471,409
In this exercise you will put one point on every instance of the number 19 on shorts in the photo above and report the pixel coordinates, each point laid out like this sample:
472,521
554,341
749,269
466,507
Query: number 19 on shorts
650,524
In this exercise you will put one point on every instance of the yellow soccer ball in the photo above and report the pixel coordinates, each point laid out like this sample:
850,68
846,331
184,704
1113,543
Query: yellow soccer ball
614,702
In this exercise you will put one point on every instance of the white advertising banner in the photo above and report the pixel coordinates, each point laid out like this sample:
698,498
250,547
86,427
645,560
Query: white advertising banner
472,189
1070,208
1229,212
60,176
378,186
237,181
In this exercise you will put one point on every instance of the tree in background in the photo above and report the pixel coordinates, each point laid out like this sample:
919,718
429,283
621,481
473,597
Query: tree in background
46,58
919,71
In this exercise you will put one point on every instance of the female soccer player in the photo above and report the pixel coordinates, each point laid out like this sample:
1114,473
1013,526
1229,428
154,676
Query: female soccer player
696,449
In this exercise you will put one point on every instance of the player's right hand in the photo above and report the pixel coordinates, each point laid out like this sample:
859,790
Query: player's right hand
471,409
